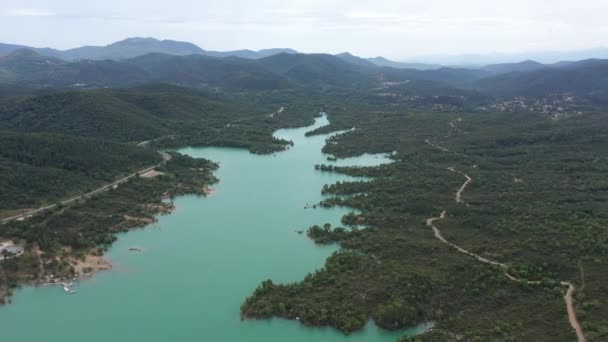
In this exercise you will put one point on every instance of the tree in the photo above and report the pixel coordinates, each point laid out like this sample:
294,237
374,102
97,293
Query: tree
5,254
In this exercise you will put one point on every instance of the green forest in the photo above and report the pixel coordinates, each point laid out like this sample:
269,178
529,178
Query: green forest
63,143
92,225
536,202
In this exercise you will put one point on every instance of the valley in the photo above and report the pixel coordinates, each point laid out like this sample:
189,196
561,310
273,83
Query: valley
300,196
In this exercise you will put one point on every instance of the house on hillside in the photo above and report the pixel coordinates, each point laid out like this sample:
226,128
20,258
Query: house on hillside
10,251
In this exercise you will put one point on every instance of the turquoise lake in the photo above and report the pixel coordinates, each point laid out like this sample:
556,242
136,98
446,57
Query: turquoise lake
199,263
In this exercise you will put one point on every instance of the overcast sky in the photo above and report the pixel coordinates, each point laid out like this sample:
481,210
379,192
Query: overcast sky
392,28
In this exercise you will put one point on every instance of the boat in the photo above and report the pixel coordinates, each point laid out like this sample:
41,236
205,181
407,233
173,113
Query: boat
67,287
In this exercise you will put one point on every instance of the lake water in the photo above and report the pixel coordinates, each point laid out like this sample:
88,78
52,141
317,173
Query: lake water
199,263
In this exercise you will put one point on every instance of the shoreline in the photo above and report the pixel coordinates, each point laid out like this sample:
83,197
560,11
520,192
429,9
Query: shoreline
98,260
91,263
94,261
65,264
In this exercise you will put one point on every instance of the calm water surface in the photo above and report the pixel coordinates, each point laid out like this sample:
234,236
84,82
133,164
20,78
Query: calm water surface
201,262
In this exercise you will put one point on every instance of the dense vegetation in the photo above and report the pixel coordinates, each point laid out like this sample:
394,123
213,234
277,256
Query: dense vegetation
56,145
39,168
137,46
290,70
59,144
536,203
127,115
53,239
587,78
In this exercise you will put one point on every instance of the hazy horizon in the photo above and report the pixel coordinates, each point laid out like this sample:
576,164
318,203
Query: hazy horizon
390,28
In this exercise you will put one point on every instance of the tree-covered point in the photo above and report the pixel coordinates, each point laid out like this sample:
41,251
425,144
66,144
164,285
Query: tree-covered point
326,234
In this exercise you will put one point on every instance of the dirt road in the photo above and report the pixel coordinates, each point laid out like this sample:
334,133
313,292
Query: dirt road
166,157
567,297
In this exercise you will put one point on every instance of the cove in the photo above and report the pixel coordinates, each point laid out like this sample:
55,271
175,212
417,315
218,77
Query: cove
199,263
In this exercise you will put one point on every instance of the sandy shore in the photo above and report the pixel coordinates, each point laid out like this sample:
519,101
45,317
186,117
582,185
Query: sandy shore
144,220
160,209
90,265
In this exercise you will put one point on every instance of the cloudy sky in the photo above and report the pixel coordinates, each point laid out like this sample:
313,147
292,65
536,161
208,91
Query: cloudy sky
393,28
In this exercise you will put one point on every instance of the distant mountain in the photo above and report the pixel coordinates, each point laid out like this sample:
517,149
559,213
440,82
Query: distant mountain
132,47
348,57
123,49
249,54
26,67
9,48
455,77
322,69
514,67
348,70
587,78
381,61
562,64
271,52
135,47
545,57
196,70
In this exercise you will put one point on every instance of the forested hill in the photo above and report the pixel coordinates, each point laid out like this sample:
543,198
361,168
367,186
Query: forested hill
276,72
196,70
65,142
43,168
587,78
139,46
504,68
127,115
26,67
296,71
319,69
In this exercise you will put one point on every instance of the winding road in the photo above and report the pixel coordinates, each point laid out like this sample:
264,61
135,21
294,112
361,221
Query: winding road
567,297
166,158
574,323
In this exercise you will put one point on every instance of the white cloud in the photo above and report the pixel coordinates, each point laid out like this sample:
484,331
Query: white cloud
30,12
371,15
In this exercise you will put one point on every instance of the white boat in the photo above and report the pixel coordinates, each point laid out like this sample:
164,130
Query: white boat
67,287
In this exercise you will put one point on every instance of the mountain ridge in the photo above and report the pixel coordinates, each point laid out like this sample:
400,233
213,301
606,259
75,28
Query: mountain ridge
587,78
139,46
